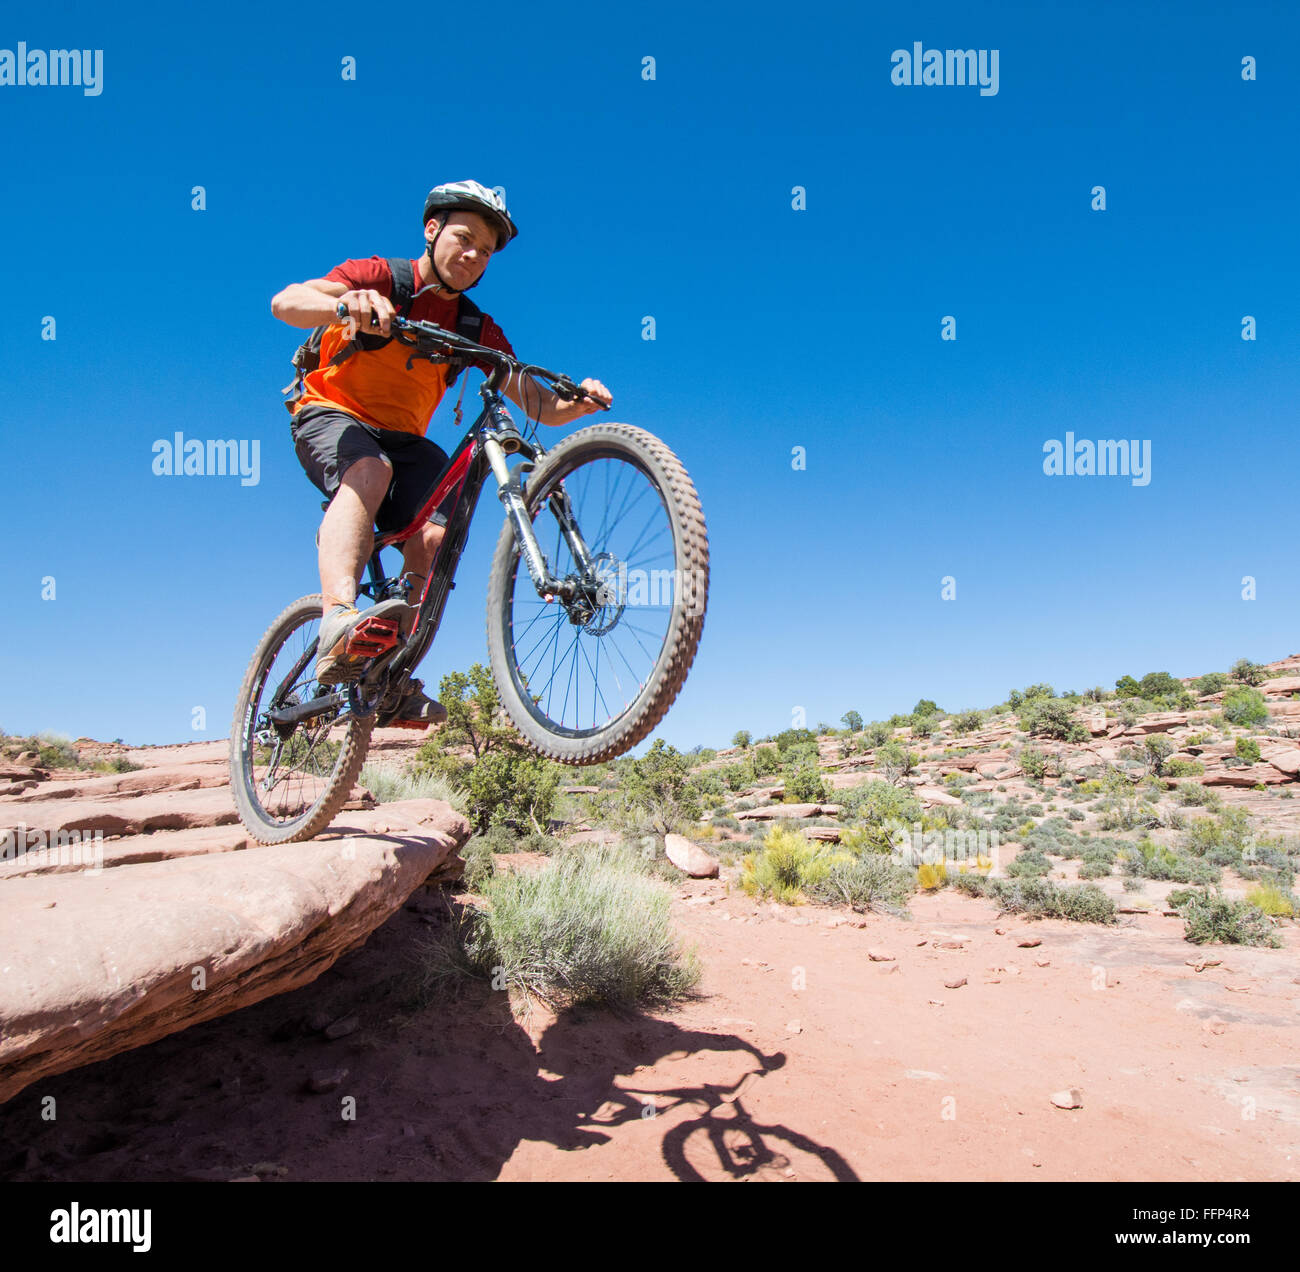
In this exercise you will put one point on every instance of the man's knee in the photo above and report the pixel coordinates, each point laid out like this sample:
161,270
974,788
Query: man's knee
368,479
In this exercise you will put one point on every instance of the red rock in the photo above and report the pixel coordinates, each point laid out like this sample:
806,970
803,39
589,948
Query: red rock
690,858
1251,775
100,963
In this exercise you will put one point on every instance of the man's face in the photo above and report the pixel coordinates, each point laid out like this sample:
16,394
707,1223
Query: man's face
464,247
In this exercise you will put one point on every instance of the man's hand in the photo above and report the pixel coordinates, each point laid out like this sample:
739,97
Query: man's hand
369,312
598,391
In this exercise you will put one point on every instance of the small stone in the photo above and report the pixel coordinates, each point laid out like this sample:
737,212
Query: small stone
936,1002
793,1026
1042,962
341,1028
1028,942
887,969
326,1080
952,945
1071,1099
956,983
319,1021
880,956
999,931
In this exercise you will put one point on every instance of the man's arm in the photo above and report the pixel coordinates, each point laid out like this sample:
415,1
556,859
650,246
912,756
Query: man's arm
314,304
554,410
309,304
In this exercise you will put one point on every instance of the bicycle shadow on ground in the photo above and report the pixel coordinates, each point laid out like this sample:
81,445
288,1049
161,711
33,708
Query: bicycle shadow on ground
714,1135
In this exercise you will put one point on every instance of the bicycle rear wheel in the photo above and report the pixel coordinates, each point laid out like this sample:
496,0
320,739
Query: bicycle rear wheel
289,782
586,677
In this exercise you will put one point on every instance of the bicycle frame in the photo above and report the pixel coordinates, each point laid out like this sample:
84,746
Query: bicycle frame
482,450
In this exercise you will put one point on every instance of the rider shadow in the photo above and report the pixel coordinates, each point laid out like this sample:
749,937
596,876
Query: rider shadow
587,1052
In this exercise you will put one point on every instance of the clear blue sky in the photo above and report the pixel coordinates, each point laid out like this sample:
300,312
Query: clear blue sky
776,328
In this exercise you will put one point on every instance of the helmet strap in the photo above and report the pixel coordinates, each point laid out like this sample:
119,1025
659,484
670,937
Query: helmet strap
433,264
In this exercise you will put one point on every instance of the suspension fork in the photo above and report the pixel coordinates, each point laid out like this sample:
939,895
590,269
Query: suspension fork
512,499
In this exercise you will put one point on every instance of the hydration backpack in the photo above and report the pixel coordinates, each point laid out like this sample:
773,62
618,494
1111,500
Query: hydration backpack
469,325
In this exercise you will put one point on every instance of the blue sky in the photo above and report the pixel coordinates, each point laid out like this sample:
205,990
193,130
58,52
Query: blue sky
776,328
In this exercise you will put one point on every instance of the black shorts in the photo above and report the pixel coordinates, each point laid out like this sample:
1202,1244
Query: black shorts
329,442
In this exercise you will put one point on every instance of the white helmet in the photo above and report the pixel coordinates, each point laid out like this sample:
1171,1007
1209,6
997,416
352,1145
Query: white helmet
470,196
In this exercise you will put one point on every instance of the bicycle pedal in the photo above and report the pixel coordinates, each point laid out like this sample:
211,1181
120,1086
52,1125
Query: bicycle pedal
372,636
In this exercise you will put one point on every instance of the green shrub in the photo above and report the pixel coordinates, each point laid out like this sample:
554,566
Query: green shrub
118,764
804,786
923,726
1030,863
766,760
968,721
1158,684
1149,860
792,737
390,782
1045,717
1230,829
1269,898
1040,898
587,929
1213,919
877,733
851,721
1214,682
871,881
1032,761
1247,749
1178,767
1156,750
1195,795
1093,869
1244,706
480,864
895,761
1249,673
786,867
742,738
878,804
972,884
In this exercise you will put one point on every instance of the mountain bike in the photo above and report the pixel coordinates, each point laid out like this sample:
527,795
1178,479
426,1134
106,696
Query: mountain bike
596,603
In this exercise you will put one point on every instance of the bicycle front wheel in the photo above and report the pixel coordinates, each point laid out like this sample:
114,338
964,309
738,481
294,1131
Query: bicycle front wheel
586,675
290,779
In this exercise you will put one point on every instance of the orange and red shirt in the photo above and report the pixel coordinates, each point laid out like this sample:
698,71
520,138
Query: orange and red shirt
376,385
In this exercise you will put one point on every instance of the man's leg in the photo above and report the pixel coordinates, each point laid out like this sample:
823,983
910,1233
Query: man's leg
346,534
417,556
346,544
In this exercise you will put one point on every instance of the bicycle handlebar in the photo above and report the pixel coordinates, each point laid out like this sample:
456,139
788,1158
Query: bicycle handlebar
442,341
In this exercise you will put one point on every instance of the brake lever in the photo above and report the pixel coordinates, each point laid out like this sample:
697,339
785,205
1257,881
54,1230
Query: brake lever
565,388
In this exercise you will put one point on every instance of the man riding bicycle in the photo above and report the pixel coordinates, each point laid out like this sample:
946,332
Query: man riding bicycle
359,422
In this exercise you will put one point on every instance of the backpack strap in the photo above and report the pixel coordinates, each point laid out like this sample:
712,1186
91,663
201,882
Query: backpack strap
469,325
403,284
